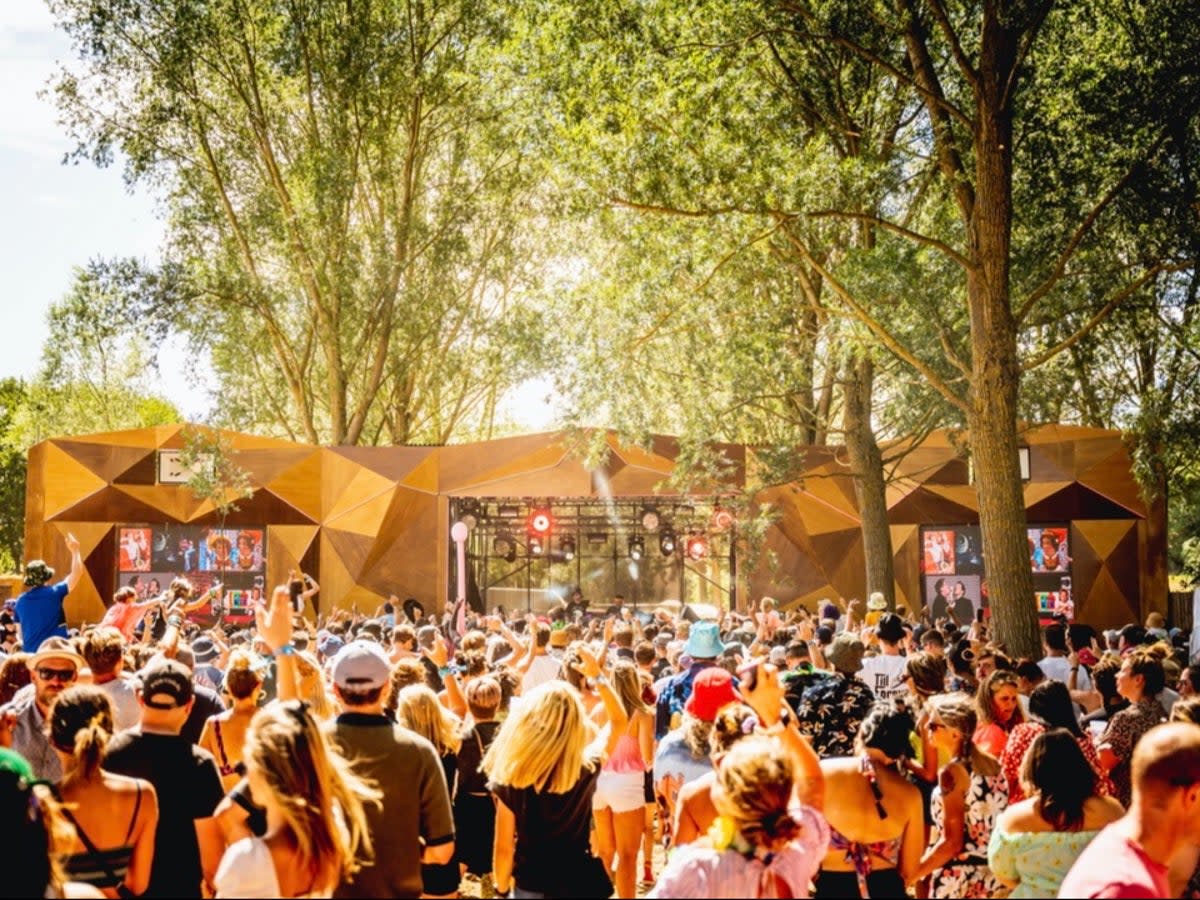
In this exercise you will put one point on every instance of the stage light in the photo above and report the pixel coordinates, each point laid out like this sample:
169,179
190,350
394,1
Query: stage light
508,512
567,548
470,513
666,542
540,521
650,519
637,548
536,548
597,537
503,544
722,519
696,546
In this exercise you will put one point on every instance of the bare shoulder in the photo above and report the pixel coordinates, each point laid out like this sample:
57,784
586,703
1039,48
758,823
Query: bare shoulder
1021,817
953,778
1103,810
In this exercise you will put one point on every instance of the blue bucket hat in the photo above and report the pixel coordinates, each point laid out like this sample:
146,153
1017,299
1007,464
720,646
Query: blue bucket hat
704,641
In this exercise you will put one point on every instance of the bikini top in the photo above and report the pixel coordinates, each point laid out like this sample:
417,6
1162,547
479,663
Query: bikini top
858,854
225,768
103,869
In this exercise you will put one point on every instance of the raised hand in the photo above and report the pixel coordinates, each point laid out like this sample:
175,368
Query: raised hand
274,621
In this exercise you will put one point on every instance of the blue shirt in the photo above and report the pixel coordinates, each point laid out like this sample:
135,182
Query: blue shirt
40,612
674,697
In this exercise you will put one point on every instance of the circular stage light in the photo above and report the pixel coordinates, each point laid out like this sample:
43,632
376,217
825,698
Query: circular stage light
666,542
567,548
650,519
541,521
697,547
637,548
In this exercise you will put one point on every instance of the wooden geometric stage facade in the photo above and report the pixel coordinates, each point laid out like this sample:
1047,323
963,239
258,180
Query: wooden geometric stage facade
373,521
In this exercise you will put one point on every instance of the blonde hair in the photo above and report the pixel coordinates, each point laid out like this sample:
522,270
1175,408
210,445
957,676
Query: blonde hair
958,711
316,790
311,687
755,780
627,685
241,678
543,741
419,710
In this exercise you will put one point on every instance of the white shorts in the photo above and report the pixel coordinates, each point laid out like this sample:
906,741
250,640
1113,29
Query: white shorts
621,792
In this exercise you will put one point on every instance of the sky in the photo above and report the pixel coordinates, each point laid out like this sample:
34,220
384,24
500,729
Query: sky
56,217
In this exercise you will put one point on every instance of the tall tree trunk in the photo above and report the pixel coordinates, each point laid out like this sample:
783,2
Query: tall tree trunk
866,463
995,376
1152,546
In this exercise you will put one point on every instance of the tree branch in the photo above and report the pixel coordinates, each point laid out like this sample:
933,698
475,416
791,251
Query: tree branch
938,9
916,236
1060,264
1120,297
886,338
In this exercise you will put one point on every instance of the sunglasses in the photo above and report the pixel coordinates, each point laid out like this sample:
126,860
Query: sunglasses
56,674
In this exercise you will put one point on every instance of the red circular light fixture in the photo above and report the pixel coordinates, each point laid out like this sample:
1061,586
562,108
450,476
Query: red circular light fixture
696,547
722,519
541,521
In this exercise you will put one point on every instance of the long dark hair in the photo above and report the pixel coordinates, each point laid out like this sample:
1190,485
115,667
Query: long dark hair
1050,703
1058,771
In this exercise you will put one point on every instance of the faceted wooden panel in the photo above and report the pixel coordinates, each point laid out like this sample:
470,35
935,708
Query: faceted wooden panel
368,520
300,486
71,482
106,461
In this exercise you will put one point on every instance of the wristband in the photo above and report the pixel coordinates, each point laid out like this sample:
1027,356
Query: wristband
174,621
602,679
286,650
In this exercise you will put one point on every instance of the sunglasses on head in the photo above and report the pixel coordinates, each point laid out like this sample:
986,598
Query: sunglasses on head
55,674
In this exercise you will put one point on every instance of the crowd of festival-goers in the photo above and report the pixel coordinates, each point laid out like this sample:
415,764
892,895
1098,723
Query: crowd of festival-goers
843,751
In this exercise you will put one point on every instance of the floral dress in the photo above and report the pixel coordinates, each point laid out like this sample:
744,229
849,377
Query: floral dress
968,875
1022,739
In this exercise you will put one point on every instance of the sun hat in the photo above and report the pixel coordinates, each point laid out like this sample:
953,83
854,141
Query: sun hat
56,648
361,665
846,653
204,650
560,638
712,691
38,573
877,602
704,641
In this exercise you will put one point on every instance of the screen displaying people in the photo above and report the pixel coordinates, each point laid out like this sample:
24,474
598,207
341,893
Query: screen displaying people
150,557
953,570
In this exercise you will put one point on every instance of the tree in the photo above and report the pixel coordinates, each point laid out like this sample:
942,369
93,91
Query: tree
348,200
214,474
12,478
1017,138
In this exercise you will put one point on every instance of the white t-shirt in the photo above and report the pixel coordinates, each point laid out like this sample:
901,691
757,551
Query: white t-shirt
541,670
1058,668
883,674
123,695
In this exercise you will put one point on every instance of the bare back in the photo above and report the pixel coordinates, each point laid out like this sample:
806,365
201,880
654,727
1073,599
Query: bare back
850,809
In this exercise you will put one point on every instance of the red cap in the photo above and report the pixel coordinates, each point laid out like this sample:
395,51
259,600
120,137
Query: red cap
712,691
1087,657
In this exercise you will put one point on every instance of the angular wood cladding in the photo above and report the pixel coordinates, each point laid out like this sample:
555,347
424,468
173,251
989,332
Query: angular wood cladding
373,521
